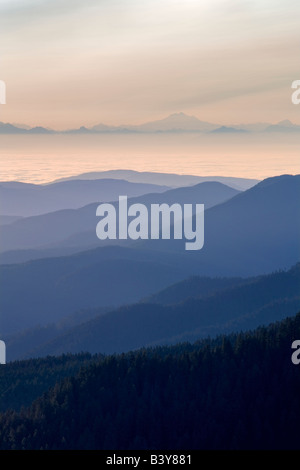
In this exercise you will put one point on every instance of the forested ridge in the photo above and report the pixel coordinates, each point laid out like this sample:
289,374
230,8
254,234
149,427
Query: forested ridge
237,392
21,382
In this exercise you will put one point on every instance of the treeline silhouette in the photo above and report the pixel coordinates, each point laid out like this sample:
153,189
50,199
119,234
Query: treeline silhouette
237,392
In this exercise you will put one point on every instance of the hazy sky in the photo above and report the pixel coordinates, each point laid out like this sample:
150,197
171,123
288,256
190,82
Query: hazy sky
68,63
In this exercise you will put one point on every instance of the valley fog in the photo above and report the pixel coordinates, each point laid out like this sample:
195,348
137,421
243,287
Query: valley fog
44,158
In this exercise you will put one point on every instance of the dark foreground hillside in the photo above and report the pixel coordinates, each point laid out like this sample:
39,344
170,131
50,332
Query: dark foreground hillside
240,392
21,382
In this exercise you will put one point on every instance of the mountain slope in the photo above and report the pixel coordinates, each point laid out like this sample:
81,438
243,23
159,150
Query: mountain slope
195,286
228,130
20,345
49,289
248,305
257,231
283,126
8,219
37,376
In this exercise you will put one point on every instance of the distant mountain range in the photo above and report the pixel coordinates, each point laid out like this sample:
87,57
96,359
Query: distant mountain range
18,199
235,392
175,123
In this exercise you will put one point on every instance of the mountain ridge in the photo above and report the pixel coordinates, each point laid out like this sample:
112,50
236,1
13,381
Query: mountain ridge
27,199
173,180
176,122
243,306
54,227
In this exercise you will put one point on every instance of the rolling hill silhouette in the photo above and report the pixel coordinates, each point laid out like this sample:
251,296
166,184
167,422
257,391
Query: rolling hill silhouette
56,227
165,179
49,289
257,231
244,306
26,199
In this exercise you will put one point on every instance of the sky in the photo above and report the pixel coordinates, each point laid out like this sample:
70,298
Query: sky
68,63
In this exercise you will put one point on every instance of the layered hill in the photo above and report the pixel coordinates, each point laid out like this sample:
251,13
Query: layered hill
241,306
80,224
26,199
